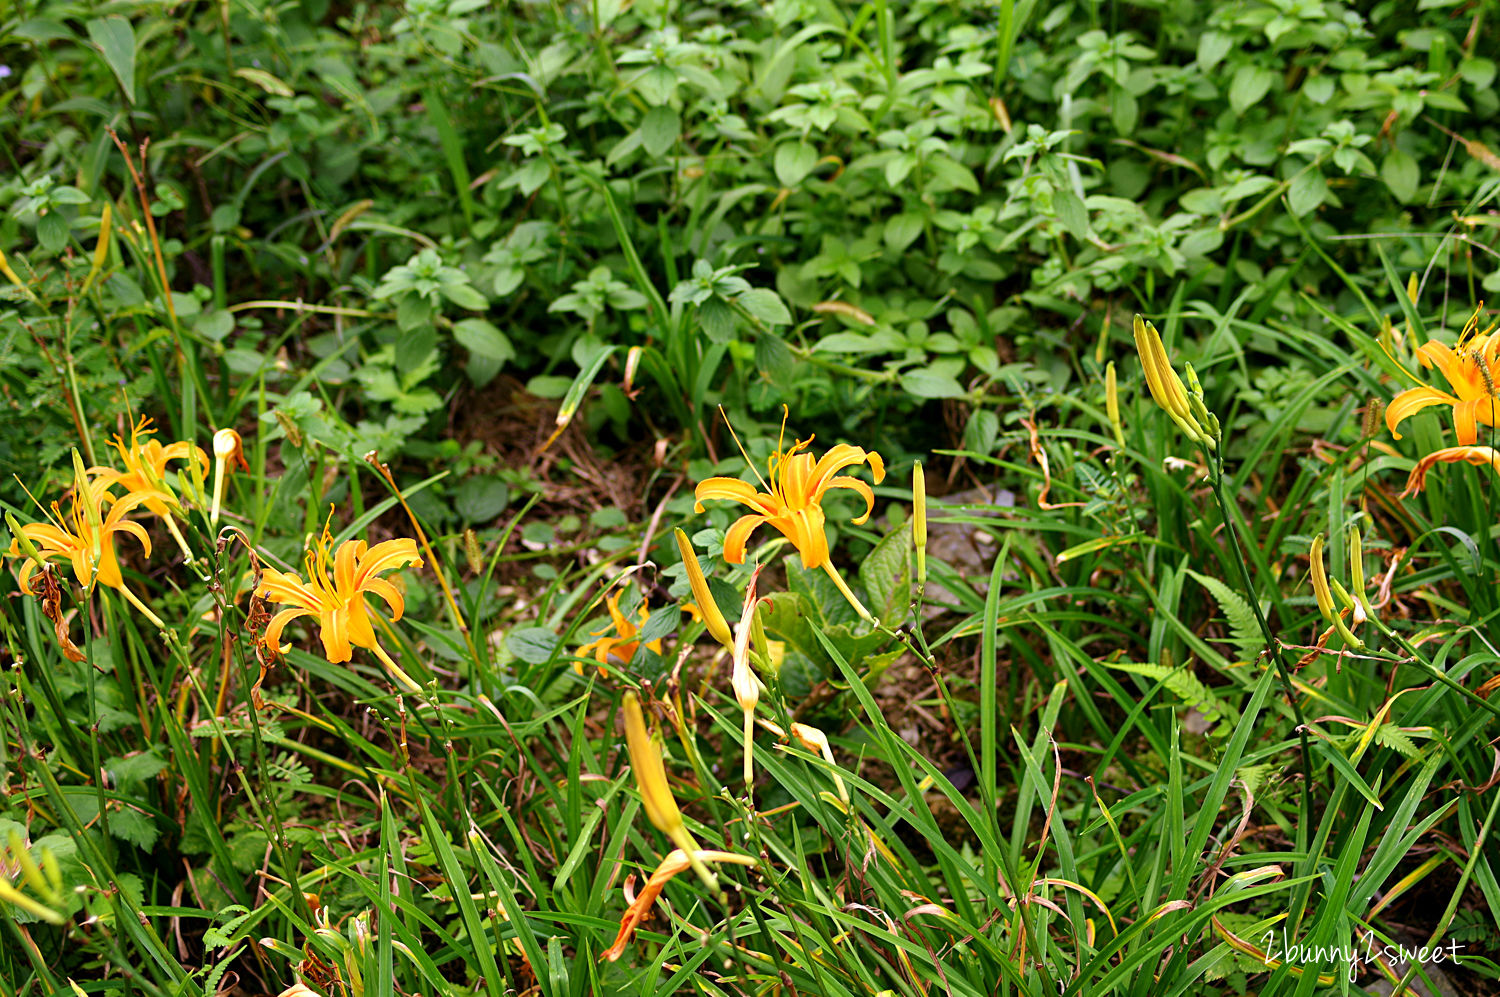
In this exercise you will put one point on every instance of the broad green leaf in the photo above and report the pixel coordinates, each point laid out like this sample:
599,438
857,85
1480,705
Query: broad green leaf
1307,192
930,382
480,499
659,129
1071,210
885,573
1212,47
794,161
1401,174
766,305
533,645
1249,85
478,336
901,230
115,39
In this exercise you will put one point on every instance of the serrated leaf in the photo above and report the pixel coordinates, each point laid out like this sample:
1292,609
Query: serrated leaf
136,768
1393,737
135,827
1243,627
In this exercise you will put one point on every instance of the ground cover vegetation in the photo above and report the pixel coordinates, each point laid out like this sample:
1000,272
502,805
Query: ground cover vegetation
748,498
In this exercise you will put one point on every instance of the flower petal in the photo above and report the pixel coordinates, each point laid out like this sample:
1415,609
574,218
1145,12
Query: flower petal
136,530
383,589
733,490
1412,401
335,636
49,538
284,586
1464,421
386,556
1477,456
808,534
739,532
360,632
855,485
278,623
835,460
344,561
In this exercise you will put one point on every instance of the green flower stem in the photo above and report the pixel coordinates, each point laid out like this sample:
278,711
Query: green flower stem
1273,645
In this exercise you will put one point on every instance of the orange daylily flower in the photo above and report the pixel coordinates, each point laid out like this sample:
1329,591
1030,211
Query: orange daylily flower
1472,371
1478,456
145,462
793,501
622,645
676,861
338,599
85,537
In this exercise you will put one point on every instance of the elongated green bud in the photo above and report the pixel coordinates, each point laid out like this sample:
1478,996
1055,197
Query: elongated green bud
1323,592
718,627
1112,403
1363,610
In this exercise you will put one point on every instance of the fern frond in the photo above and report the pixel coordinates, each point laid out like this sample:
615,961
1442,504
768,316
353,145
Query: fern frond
1393,737
1186,686
1243,629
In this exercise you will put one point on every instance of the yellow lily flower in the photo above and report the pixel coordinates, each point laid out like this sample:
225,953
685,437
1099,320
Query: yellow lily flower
145,462
622,646
1471,371
792,502
676,861
337,599
85,537
1478,456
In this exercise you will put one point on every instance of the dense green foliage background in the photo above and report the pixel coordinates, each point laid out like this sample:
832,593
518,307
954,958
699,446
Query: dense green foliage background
443,230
